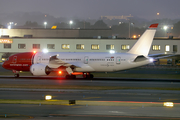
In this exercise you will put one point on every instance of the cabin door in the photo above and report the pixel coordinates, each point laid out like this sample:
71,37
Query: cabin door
14,59
86,60
118,60
39,59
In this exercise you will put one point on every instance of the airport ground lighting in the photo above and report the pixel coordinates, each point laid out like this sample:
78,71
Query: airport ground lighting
48,97
70,23
45,23
9,26
165,27
130,29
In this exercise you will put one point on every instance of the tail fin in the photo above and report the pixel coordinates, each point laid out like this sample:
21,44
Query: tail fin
142,46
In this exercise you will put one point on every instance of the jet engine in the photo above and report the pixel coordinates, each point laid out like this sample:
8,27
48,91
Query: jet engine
39,69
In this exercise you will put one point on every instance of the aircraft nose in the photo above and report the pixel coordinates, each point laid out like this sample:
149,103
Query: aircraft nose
4,65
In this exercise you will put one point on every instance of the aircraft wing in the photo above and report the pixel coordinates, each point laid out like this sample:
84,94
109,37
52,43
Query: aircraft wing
55,62
155,55
161,55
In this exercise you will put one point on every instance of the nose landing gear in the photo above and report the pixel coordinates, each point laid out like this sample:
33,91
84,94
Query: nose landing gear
16,73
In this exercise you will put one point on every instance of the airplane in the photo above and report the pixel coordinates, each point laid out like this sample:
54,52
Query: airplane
84,63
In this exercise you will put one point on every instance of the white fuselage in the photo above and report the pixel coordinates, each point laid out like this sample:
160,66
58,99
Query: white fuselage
91,62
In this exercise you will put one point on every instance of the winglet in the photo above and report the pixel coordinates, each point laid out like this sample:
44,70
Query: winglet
153,25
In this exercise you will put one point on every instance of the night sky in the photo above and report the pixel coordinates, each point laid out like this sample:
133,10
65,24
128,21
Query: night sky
95,8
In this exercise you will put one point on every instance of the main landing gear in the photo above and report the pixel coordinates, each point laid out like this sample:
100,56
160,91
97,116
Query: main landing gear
88,75
85,76
70,77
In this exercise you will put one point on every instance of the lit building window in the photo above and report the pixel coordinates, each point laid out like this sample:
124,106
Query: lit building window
65,46
156,47
80,46
167,48
109,47
7,46
125,47
36,46
22,46
50,46
95,47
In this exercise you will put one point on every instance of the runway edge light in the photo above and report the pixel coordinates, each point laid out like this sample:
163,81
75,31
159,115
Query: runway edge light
48,97
168,104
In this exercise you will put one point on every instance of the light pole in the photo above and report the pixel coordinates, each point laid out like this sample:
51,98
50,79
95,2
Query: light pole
45,23
70,23
158,15
165,28
130,29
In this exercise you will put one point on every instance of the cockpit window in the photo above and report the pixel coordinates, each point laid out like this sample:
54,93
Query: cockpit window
7,59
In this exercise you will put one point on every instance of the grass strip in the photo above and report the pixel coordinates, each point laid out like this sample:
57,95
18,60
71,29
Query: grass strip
45,102
86,103
79,87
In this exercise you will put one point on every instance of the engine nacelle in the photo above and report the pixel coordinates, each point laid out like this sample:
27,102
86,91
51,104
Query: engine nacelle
39,69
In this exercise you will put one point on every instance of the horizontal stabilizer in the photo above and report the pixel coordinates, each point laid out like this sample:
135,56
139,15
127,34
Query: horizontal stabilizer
140,58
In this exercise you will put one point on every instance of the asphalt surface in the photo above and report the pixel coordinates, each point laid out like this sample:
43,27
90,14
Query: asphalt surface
111,95
92,82
25,111
81,112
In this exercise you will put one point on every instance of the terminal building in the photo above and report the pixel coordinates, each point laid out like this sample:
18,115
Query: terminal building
78,40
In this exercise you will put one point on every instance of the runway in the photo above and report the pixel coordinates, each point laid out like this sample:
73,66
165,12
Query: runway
86,111
91,82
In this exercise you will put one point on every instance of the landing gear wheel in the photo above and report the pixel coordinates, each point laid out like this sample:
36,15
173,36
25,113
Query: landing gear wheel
16,75
73,76
88,76
67,77
91,76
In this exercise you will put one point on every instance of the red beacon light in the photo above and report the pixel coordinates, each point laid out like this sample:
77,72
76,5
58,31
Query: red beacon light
34,51
60,72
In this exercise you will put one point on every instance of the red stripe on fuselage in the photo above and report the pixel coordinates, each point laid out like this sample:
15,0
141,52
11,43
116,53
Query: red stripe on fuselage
19,62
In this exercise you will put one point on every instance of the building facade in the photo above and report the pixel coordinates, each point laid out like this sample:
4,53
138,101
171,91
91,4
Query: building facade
10,45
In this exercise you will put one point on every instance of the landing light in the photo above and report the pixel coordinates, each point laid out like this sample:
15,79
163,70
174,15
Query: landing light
151,59
45,51
48,97
112,51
